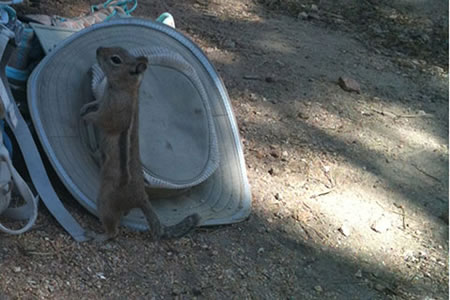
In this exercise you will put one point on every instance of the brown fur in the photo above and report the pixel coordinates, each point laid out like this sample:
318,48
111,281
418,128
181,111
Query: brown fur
116,114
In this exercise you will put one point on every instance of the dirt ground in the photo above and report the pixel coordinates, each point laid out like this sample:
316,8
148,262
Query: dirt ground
350,190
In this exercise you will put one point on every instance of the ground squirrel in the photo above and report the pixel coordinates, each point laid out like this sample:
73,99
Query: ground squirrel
116,114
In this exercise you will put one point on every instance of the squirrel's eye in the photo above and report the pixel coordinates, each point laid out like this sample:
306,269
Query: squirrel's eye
116,60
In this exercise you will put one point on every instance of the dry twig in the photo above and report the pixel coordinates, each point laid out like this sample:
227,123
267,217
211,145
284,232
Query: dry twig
403,214
396,116
321,194
425,173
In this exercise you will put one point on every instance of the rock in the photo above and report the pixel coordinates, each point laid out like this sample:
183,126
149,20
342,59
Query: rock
17,269
269,79
253,97
349,84
345,230
209,49
358,274
274,153
274,171
314,16
285,153
318,289
303,115
260,250
314,7
302,16
278,196
381,225
423,255
379,287
437,70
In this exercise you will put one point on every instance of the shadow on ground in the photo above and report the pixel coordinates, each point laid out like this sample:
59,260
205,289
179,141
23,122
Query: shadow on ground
307,66
296,65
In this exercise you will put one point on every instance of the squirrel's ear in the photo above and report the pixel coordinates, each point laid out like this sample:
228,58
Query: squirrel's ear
141,65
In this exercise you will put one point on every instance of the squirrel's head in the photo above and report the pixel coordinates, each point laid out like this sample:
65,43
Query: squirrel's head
119,65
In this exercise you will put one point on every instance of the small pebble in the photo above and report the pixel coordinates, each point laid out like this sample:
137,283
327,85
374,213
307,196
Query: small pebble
345,230
314,16
349,84
303,15
273,171
381,225
274,154
303,116
269,79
